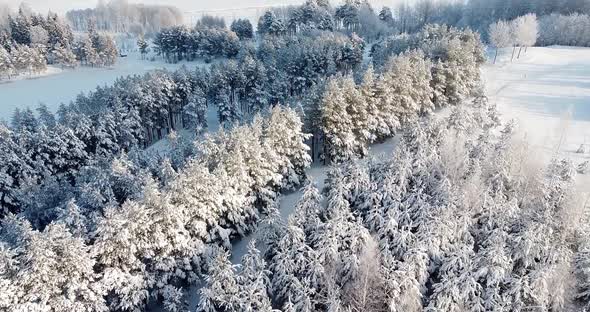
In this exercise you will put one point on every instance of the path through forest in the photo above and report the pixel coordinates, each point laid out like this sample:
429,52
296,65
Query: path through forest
316,173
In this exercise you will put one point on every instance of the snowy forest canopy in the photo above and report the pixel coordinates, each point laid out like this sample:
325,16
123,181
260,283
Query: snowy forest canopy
108,186
456,219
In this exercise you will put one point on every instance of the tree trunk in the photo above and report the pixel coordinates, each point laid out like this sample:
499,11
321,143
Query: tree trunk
526,49
519,50
513,51
171,117
496,56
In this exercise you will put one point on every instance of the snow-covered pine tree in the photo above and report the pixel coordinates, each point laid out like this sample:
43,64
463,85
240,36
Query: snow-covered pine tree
269,24
46,117
255,94
106,50
88,54
253,282
143,47
195,112
337,124
222,291
285,135
64,56
6,66
120,240
401,100
56,270
243,28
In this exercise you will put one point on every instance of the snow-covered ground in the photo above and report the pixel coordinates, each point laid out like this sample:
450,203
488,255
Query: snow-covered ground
62,86
49,71
547,91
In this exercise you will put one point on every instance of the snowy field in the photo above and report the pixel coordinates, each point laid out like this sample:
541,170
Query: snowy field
57,86
547,91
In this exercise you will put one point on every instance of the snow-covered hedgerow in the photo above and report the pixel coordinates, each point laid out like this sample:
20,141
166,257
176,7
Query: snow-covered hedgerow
457,219
149,245
443,70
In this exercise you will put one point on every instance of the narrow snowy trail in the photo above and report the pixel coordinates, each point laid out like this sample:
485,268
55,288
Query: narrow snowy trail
316,173
547,91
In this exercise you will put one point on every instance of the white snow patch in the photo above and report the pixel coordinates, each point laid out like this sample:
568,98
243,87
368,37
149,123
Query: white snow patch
547,91
49,71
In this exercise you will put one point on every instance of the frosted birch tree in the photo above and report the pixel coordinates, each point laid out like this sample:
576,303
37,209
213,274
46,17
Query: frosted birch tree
500,36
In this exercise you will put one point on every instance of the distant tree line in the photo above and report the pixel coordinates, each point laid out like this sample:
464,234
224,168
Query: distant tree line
352,16
210,38
526,31
360,17
124,17
181,43
570,30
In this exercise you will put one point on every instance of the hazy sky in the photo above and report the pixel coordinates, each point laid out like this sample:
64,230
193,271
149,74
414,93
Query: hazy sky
61,6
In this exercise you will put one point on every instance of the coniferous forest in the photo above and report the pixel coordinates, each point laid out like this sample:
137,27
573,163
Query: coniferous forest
94,216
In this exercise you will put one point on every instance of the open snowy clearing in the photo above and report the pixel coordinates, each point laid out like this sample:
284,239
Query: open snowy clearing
547,91
56,87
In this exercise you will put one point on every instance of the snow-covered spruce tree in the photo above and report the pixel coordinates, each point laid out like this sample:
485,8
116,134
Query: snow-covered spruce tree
253,281
222,291
308,211
441,248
